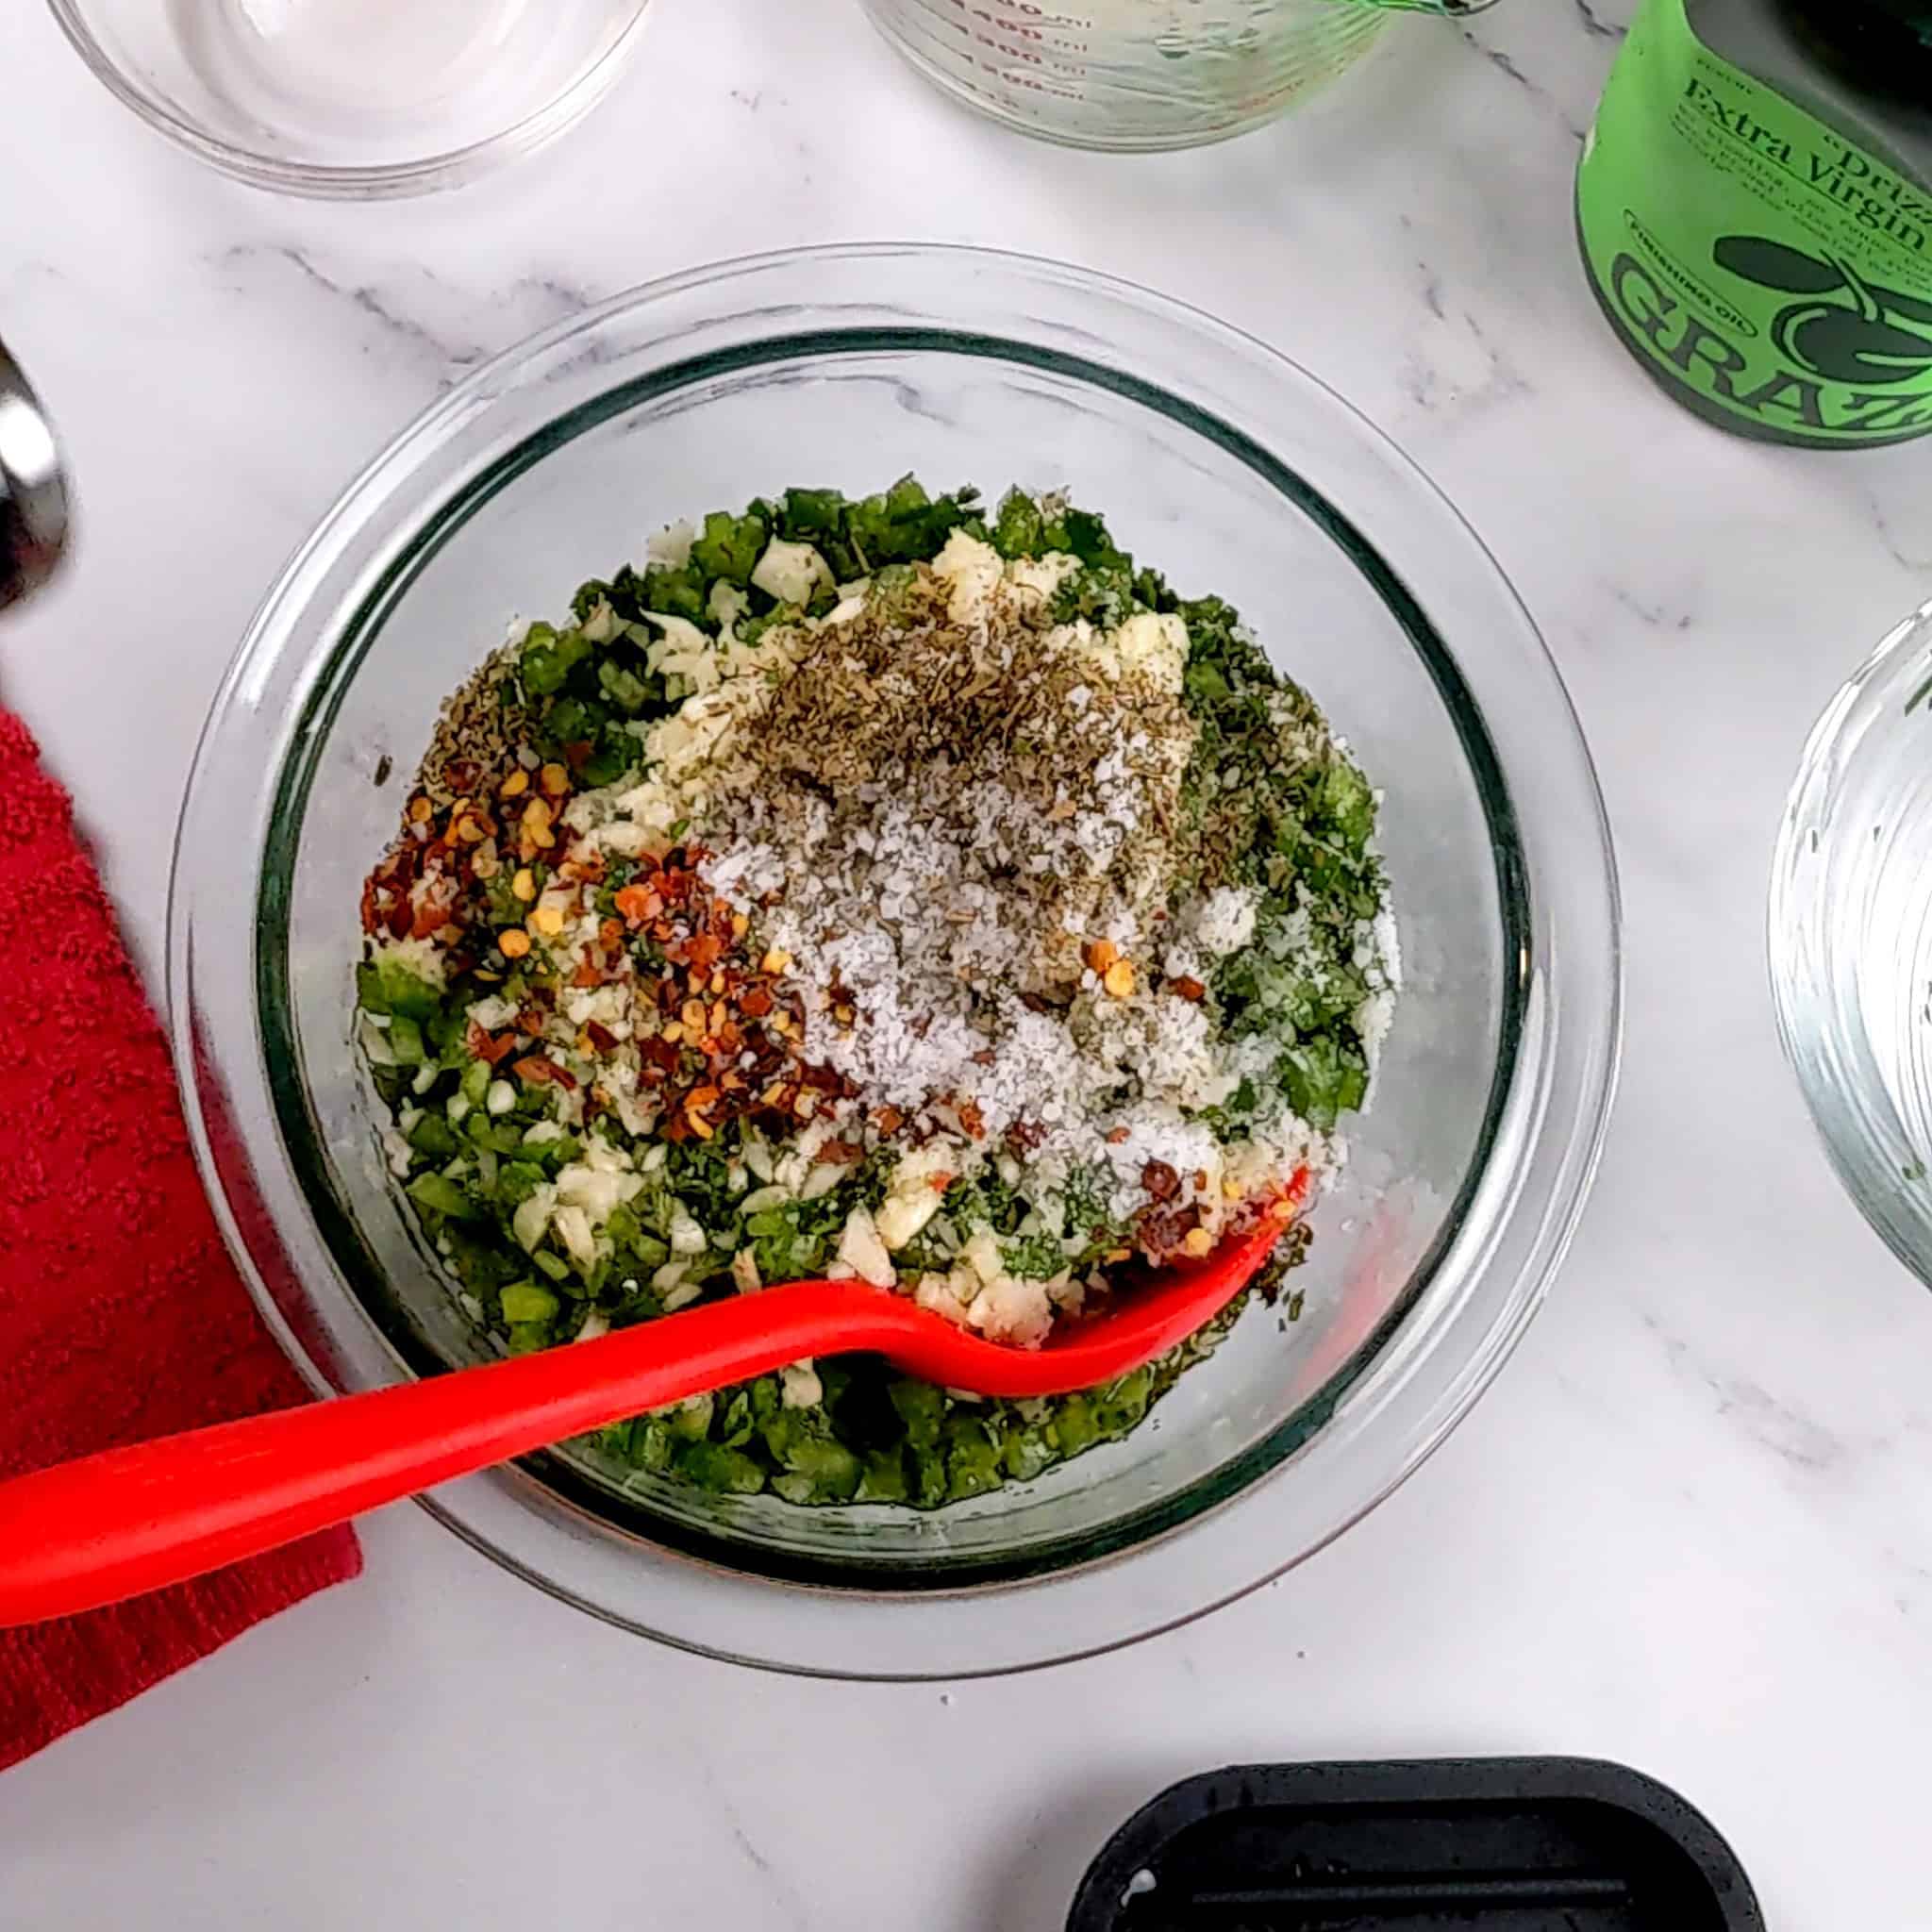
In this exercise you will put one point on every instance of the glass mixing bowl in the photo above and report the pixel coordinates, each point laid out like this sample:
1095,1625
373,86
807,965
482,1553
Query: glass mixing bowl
351,99
1851,936
1214,460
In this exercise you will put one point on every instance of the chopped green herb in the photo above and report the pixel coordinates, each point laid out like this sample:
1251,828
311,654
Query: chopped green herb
562,1211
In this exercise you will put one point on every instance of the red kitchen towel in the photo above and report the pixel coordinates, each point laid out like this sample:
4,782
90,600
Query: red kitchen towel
121,1316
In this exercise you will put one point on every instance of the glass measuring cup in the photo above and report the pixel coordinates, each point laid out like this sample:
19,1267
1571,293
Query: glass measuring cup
1138,74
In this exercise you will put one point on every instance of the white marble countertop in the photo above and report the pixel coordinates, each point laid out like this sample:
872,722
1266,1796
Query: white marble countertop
1692,1525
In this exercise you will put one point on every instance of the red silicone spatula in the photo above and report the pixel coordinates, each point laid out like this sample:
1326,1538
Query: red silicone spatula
112,1525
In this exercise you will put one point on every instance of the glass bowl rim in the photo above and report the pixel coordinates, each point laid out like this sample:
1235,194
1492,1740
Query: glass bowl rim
364,182
1581,1130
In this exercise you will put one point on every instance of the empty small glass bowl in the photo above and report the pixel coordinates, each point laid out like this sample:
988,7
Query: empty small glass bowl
1229,470
355,98
1851,936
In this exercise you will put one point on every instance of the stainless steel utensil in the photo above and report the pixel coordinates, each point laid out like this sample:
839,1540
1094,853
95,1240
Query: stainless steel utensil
33,488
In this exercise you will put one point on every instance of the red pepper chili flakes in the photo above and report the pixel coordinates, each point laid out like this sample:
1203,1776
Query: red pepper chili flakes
1164,1230
728,1042
487,1047
1161,1182
726,1030
426,885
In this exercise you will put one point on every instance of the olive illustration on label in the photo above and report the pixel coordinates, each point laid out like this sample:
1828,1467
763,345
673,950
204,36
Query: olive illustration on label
1851,330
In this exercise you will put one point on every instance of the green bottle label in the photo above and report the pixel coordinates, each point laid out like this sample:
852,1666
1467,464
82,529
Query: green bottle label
1760,259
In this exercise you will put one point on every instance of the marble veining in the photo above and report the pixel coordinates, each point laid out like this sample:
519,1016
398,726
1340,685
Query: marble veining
401,305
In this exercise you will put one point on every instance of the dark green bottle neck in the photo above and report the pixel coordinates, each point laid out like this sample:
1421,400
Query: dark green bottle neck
1881,46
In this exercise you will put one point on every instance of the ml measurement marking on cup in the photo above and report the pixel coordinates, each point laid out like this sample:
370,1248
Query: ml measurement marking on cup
1050,49
1134,74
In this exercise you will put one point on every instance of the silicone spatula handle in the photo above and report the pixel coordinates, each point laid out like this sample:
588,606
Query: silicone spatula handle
136,1519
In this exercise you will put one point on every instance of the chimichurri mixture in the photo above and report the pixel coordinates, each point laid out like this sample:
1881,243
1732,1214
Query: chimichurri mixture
882,889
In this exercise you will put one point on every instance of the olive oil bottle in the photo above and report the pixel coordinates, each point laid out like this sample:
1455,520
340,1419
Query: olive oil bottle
1755,207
